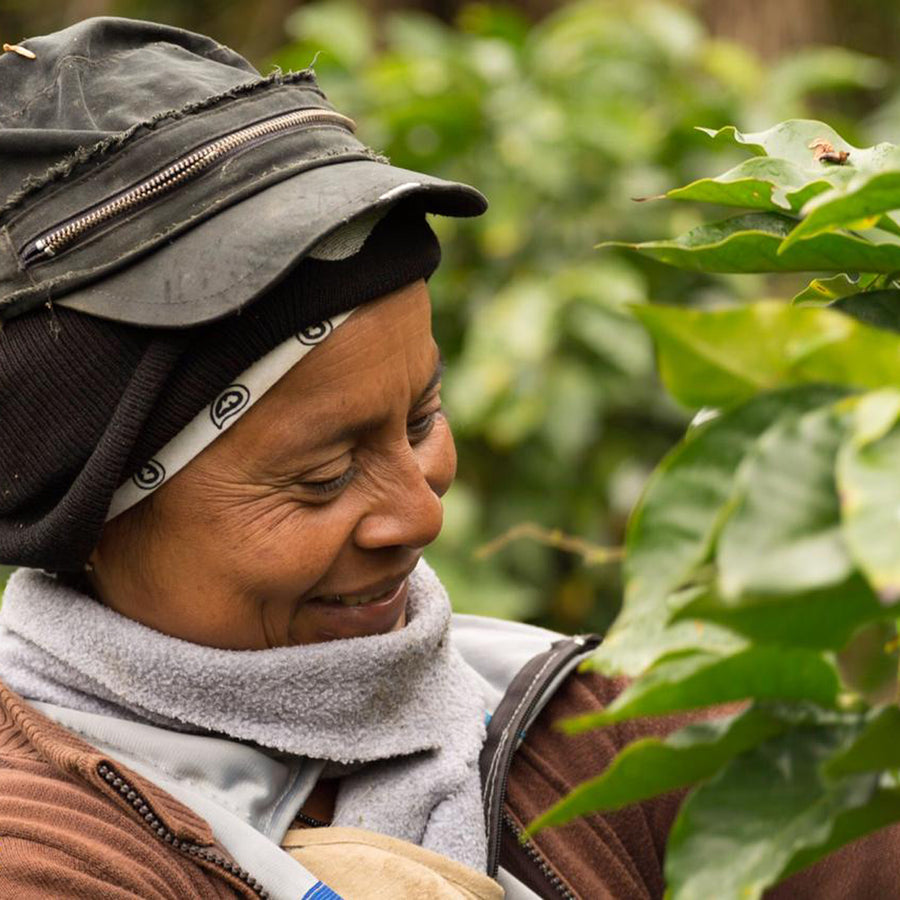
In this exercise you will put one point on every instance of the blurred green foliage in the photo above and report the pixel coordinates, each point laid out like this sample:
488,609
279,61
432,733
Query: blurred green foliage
550,383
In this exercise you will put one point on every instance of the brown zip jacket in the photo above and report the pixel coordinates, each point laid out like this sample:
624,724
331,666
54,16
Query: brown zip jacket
77,824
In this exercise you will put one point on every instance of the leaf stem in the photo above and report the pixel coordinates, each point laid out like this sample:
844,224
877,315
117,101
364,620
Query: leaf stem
593,554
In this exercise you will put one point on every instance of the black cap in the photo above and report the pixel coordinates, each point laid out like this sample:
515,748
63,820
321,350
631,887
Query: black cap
151,176
152,185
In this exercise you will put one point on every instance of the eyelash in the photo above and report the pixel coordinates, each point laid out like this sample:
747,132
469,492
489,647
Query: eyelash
333,484
420,428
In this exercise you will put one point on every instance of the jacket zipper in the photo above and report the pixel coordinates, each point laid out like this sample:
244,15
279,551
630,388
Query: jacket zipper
574,646
112,777
177,173
310,821
538,858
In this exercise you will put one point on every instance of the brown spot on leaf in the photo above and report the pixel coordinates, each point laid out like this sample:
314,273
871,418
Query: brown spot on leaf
824,152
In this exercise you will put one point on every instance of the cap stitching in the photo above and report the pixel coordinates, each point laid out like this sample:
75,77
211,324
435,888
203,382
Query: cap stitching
97,170
9,117
64,63
84,155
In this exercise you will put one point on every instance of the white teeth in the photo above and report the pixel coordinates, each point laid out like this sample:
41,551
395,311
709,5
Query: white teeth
356,600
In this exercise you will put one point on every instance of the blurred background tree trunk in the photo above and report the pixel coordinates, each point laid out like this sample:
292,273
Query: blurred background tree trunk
771,27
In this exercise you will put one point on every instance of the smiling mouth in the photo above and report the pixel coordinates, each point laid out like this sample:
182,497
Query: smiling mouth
380,592
378,609
362,599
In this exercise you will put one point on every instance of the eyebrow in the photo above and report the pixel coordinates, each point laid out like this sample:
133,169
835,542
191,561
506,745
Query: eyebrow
355,429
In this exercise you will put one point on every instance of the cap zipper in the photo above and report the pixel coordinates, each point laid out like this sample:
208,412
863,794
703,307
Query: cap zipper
181,170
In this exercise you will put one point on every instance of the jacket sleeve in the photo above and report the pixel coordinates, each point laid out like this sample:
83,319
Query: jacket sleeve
33,871
58,839
620,855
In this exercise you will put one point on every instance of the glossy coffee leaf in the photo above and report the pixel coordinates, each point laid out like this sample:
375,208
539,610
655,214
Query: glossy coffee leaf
672,528
753,243
768,811
824,291
784,535
764,183
720,357
653,766
791,140
754,672
868,474
824,619
861,199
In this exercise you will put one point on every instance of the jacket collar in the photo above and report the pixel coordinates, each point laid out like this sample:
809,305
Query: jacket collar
77,759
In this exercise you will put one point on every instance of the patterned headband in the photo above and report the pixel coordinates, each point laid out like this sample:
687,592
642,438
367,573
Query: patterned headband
233,401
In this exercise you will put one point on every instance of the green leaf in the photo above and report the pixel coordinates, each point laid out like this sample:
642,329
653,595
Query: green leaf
823,291
881,309
672,527
875,748
888,222
784,534
823,620
763,183
868,474
874,415
742,831
752,243
881,809
720,357
652,766
861,200
791,141
756,671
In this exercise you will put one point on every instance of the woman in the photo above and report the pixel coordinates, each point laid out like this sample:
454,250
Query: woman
222,455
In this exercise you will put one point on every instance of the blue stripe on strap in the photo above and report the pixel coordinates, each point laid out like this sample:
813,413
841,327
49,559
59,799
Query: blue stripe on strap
321,891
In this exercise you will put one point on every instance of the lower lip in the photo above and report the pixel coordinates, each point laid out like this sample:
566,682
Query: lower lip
331,620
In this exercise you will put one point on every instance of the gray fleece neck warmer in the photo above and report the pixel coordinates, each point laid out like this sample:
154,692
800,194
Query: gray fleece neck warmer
403,710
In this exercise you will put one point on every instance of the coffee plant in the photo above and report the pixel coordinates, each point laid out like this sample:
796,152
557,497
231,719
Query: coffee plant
763,560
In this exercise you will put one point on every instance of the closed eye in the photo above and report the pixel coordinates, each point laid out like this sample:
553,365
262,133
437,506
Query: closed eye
421,426
330,485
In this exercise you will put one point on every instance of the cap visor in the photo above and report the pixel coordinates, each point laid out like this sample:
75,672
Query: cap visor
230,259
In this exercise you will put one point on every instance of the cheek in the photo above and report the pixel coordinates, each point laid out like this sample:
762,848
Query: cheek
287,549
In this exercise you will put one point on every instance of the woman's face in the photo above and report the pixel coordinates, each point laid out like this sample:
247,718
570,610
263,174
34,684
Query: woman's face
319,498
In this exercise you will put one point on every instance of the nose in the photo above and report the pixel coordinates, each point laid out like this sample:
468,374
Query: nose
407,509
